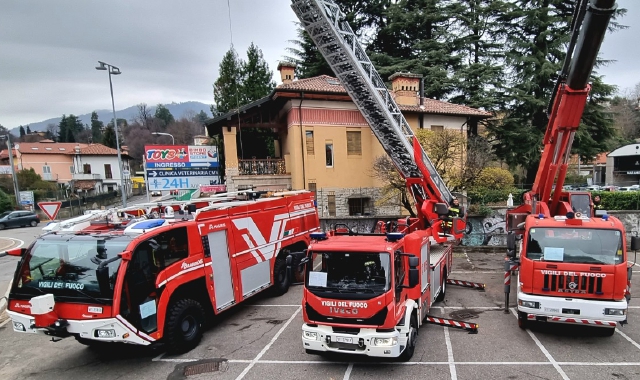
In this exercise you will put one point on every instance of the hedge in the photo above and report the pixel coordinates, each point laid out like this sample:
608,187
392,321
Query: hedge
611,200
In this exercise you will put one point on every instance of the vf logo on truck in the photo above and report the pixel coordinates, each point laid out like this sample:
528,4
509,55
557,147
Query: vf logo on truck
259,247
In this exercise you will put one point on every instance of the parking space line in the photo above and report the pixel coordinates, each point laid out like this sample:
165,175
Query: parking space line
298,305
266,348
625,336
544,351
347,374
452,366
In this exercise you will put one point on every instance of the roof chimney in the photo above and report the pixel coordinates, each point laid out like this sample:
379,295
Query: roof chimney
287,71
405,87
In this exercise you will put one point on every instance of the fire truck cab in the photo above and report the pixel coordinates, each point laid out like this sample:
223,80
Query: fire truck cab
158,279
369,295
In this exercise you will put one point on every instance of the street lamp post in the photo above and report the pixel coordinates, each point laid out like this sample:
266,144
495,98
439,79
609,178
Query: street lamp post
173,141
16,189
115,71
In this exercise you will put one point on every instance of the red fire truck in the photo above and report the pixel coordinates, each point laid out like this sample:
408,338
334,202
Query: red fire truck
158,277
573,264
368,294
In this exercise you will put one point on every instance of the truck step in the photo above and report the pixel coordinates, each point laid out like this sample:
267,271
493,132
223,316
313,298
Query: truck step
466,284
471,327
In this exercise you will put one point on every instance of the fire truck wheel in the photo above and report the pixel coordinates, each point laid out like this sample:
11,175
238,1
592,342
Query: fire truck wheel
183,329
440,297
411,342
281,281
522,320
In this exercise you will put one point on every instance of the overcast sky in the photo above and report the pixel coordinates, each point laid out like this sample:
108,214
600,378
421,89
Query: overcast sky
168,50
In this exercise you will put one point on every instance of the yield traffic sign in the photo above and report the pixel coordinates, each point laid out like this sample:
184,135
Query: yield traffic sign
50,208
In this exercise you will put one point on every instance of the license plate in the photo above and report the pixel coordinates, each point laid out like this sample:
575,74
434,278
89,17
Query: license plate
341,339
551,310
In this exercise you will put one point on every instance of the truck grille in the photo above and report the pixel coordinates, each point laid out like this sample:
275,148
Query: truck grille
572,284
376,320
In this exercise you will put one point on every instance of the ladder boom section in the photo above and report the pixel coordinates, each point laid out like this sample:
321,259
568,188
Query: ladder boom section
326,25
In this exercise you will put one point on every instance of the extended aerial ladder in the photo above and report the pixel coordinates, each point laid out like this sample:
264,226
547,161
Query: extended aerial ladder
322,19
589,25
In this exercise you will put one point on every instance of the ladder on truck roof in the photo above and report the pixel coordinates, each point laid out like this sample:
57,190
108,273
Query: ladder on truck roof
324,22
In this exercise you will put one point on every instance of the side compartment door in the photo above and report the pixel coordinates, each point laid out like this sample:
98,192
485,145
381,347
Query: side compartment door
221,264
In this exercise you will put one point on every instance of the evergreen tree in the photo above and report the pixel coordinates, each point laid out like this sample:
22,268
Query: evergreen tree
227,88
22,133
308,59
63,134
539,31
202,117
109,137
257,77
163,113
28,130
96,128
479,41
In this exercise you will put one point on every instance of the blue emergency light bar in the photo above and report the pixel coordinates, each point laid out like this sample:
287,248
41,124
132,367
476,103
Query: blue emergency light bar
318,235
394,236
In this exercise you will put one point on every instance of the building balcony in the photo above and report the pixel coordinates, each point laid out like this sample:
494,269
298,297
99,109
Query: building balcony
267,166
82,176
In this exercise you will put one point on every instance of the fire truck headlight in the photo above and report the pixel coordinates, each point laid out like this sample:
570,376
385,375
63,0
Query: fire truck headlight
19,326
310,335
106,333
615,311
529,304
385,341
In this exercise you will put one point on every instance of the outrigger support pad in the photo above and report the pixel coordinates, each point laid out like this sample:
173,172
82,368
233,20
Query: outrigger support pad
472,328
466,284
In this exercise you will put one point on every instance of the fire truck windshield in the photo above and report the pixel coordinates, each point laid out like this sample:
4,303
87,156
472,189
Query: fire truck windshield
66,266
362,275
575,245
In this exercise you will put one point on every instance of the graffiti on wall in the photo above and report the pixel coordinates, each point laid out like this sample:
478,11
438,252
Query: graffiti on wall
486,230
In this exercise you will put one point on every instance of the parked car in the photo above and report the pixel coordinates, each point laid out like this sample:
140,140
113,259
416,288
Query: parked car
156,193
593,188
18,219
611,188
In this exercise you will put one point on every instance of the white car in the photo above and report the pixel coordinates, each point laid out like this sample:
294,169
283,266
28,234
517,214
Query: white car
156,193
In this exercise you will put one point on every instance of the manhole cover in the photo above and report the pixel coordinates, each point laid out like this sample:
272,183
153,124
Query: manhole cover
464,314
184,370
196,369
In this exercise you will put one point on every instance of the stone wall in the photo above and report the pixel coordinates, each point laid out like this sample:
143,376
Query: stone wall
376,204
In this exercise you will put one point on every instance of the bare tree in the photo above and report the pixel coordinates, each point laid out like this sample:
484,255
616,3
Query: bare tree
144,116
184,130
394,190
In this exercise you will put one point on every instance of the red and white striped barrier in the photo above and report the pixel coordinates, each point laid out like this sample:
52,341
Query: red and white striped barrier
471,327
467,284
593,322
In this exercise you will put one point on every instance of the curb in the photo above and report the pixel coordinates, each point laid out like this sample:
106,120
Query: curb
5,299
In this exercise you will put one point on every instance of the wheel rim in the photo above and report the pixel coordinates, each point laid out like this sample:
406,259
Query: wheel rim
412,337
282,276
189,326
444,286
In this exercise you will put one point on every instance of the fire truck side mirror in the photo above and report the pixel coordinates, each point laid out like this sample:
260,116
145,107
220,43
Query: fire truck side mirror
413,262
413,277
511,245
635,243
102,275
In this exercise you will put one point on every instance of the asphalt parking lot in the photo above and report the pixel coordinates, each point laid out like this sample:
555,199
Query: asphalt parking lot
261,340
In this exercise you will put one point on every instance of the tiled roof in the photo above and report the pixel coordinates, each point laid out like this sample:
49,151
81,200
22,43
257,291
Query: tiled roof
50,147
325,83
5,154
433,106
322,83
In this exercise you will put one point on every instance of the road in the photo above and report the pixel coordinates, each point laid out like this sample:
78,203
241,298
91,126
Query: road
261,339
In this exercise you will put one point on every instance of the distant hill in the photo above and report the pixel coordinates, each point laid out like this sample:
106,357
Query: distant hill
176,109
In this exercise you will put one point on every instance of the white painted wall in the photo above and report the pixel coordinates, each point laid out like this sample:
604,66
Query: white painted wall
97,167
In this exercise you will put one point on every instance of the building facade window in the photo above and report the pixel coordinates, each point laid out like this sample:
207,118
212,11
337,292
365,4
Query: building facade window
86,168
309,139
328,147
359,206
437,128
107,171
331,204
312,186
71,169
46,173
354,143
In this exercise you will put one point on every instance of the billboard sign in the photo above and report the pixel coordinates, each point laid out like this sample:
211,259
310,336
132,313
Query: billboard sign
180,183
180,156
26,197
183,172
203,153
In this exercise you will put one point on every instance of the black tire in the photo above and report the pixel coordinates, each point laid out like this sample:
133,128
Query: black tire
443,291
281,281
411,342
313,352
2,226
183,328
34,223
523,322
